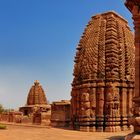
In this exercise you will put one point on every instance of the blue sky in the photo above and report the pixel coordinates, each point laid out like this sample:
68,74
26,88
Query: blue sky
38,40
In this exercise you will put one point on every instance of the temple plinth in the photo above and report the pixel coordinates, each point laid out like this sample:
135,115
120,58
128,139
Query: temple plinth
103,84
134,8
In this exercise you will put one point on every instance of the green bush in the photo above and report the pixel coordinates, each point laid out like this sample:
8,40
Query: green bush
2,126
1,109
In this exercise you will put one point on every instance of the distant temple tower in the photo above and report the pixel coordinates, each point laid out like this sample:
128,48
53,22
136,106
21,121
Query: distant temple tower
36,95
36,100
104,71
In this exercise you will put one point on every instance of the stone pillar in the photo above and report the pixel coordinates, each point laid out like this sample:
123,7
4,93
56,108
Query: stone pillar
134,7
100,106
77,108
75,105
92,98
124,107
136,19
130,96
112,105
84,117
108,108
117,108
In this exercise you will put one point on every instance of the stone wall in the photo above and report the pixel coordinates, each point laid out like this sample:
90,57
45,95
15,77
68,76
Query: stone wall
13,116
60,114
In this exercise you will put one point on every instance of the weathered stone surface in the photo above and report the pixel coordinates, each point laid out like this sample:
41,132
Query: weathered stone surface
36,95
12,116
4,117
42,115
60,113
15,116
134,7
103,84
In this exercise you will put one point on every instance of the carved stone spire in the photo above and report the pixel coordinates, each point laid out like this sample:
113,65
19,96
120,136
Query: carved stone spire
36,95
103,83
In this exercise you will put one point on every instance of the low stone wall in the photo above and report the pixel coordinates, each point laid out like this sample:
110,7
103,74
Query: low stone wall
11,117
4,117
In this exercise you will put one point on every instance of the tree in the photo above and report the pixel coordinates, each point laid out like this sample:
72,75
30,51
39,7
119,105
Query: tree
1,109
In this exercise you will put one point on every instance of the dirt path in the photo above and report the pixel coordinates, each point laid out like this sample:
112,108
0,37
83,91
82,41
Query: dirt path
31,133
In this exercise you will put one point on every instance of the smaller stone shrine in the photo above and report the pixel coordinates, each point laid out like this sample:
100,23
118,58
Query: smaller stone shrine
37,110
60,113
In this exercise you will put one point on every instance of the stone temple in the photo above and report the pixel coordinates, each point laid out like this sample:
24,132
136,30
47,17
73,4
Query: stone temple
104,73
37,107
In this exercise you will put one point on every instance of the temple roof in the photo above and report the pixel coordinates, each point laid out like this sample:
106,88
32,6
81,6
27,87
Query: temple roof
105,50
36,95
112,12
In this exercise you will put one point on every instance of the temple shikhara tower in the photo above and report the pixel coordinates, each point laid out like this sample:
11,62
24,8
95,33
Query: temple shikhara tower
104,72
36,95
37,108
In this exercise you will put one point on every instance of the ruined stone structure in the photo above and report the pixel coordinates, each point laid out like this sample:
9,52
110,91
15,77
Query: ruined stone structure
42,116
103,84
15,116
60,113
4,117
12,116
37,110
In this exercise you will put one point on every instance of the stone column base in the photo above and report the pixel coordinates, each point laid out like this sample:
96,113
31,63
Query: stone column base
84,128
113,129
100,129
92,129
